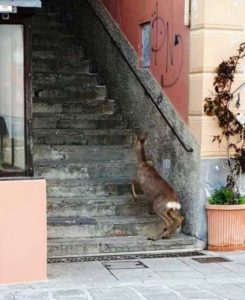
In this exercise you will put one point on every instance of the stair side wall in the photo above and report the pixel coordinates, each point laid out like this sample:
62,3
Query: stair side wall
134,87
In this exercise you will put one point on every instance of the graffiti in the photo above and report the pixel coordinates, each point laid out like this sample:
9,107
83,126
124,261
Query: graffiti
167,44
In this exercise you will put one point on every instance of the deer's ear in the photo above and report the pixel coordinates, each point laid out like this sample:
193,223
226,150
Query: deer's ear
143,137
135,138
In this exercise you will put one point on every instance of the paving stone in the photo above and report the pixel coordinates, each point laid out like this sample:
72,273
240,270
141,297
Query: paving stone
135,275
182,275
168,296
69,294
167,265
123,293
198,295
228,291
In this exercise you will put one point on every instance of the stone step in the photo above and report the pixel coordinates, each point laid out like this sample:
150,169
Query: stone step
94,207
82,137
45,19
88,188
75,153
62,80
127,244
87,170
53,54
100,107
73,65
83,227
66,100
98,92
41,28
50,41
77,121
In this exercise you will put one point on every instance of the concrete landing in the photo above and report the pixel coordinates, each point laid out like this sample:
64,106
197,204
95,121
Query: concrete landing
179,278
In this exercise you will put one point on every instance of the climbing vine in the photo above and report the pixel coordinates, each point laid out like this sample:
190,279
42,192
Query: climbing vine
232,125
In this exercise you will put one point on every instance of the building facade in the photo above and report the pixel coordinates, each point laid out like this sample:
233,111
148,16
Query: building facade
80,78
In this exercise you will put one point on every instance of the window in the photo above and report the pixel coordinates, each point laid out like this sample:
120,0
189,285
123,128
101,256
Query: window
146,44
15,98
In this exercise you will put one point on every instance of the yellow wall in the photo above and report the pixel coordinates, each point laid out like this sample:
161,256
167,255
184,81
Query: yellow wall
217,29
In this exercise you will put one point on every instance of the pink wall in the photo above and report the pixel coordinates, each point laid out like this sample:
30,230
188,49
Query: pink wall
23,233
169,62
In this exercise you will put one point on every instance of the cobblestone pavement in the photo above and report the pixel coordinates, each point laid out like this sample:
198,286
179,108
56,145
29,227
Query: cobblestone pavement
144,279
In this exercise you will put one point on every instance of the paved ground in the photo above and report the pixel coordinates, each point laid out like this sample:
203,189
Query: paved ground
149,279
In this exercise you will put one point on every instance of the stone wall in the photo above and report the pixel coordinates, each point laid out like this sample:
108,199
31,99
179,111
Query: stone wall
135,88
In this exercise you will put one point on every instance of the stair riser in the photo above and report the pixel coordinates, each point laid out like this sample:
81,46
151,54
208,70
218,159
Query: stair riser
98,210
76,153
99,230
55,64
80,171
78,249
85,107
57,28
75,66
81,139
57,54
45,19
51,43
89,190
64,80
82,93
77,124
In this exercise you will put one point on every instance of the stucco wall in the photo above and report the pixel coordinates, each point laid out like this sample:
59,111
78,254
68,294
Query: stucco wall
134,87
23,231
169,58
217,29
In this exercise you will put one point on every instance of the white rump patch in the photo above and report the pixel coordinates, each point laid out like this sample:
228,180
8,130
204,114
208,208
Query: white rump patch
173,205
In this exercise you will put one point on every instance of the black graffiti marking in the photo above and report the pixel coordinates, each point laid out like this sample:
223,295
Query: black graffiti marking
167,41
174,80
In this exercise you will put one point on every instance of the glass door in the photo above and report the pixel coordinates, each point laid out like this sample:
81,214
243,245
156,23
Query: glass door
12,101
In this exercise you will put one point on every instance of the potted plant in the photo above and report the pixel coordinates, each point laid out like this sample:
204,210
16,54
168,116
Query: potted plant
226,220
226,208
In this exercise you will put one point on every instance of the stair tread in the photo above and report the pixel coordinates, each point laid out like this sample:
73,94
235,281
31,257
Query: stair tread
58,74
62,164
86,131
82,116
92,199
68,88
88,147
122,239
60,247
58,100
100,220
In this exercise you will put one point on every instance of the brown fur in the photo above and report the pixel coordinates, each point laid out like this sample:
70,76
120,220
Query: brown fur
157,190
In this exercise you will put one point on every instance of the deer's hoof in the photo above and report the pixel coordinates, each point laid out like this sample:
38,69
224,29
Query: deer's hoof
152,238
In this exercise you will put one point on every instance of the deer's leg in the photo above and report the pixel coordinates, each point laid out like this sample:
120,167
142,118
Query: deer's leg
160,234
168,223
133,183
177,221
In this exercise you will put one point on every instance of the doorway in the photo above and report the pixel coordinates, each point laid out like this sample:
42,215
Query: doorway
15,98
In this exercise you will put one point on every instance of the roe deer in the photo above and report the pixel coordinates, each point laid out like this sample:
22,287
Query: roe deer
155,188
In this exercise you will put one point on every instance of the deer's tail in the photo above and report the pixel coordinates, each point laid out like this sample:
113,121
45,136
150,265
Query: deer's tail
173,205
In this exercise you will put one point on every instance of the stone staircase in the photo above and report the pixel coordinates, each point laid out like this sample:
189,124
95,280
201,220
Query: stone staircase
82,146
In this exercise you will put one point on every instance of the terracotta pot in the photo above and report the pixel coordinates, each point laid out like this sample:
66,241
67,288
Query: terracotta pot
226,227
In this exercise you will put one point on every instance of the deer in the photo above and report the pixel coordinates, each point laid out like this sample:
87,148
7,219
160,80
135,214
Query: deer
162,195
